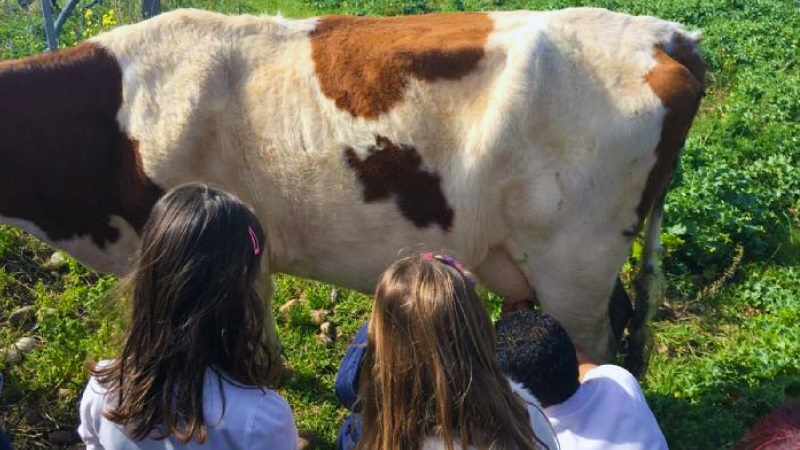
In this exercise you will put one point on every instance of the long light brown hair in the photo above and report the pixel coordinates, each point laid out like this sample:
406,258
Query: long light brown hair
194,307
430,368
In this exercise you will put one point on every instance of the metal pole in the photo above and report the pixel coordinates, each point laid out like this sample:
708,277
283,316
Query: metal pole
65,13
150,8
49,29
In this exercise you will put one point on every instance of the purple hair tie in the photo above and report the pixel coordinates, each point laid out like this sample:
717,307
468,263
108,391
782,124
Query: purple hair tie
254,241
452,263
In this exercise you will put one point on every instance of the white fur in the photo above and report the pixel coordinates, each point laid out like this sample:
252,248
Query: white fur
113,258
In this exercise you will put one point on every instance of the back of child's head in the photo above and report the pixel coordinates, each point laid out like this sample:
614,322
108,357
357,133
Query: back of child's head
194,306
430,369
535,350
778,430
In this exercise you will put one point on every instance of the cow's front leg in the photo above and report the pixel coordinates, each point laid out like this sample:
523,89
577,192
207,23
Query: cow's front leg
266,287
583,310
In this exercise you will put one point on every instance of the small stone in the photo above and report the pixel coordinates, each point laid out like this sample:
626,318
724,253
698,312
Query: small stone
56,261
24,315
318,316
26,344
10,355
287,307
65,394
13,353
325,340
334,295
326,328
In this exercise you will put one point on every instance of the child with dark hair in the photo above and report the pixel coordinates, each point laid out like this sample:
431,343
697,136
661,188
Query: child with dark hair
590,407
194,368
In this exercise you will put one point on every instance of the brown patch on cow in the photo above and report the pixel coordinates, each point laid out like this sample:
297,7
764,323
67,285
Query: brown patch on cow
65,165
364,63
677,79
391,169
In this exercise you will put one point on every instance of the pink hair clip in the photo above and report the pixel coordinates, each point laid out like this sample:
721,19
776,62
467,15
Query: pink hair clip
452,263
254,241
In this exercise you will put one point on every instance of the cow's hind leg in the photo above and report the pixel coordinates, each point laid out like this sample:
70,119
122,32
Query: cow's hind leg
573,282
266,287
501,275
620,310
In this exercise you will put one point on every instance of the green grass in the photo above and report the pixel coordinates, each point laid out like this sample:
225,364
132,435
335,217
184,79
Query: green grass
726,343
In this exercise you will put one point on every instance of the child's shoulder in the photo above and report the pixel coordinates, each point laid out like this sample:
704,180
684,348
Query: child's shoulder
610,371
617,375
259,397
93,386
271,420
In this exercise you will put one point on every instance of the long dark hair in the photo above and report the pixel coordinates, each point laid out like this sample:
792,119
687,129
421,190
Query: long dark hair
194,306
430,369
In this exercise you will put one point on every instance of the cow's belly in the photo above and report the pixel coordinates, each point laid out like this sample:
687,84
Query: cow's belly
351,249
112,257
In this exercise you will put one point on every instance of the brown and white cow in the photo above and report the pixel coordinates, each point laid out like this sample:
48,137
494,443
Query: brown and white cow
530,144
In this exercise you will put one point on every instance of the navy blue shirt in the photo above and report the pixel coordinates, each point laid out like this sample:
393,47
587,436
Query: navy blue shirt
347,377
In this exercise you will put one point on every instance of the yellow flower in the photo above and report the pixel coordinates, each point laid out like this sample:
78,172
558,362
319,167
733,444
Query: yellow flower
109,19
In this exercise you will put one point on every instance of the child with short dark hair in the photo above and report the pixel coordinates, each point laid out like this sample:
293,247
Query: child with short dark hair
194,368
606,410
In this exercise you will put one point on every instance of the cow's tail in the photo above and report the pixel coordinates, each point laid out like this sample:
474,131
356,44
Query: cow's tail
649,287
684,47
649,282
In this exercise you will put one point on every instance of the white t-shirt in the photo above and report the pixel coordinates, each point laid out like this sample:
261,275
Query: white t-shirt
253,419
607,412
539,422
541,427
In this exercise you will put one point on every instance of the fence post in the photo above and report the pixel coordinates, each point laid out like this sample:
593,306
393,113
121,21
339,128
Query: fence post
65,13
49,28
150,8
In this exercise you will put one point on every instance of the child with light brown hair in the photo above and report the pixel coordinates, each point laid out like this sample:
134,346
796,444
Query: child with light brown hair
430,379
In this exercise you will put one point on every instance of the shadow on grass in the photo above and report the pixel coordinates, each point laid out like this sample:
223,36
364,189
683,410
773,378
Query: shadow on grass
720,417
308,385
